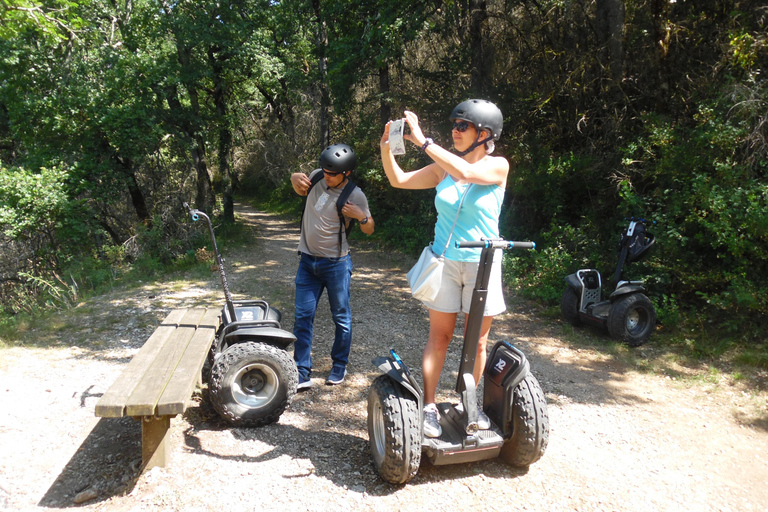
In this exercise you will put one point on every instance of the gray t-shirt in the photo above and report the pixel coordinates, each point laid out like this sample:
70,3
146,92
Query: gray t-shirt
320,226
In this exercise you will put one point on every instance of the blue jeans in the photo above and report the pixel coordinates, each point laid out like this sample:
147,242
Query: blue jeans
314,275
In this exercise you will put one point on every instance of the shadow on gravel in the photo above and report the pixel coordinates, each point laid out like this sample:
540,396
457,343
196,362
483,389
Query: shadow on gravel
342,459
106,464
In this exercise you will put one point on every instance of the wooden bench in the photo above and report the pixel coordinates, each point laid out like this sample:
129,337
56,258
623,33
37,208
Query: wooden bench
158,382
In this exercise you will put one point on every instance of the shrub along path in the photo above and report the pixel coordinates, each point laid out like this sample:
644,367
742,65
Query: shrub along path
621,439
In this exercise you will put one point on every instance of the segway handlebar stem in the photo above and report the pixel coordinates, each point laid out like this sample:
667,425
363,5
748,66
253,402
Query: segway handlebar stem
195,214
477,305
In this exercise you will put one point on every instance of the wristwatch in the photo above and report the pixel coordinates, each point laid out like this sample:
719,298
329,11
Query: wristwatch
427,142
364,221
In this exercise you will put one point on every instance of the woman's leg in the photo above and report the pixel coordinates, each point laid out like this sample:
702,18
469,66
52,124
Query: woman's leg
441,327
485,330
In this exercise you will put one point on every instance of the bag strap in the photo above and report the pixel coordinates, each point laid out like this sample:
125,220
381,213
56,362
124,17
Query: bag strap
312,182
340,202
455,220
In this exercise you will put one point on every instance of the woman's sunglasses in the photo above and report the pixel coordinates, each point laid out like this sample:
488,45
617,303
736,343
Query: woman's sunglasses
460,126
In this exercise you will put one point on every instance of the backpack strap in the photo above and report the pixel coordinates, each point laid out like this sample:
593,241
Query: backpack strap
340,202
312,182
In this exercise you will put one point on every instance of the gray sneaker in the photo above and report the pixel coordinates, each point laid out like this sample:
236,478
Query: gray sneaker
337,376
432,421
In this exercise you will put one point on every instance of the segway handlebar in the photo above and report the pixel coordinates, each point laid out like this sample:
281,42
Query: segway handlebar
194,213
495,244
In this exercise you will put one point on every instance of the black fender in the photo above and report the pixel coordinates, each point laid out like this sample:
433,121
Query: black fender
626,289
260,334
388,367
506,367
573,281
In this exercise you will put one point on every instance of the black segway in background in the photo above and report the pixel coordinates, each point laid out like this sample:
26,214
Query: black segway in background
253,377
627,313
512,400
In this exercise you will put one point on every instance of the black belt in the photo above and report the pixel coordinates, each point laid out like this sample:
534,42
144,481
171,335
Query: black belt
320,258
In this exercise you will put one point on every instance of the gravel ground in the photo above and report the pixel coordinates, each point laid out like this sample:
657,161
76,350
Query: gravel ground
621,439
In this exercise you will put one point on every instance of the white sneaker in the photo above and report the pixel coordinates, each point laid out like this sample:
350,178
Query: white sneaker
303,384
432,421
483,422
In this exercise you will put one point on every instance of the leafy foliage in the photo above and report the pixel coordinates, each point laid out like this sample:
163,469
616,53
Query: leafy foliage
112,114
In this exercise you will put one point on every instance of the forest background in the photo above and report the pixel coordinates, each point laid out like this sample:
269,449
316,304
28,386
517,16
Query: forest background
113,113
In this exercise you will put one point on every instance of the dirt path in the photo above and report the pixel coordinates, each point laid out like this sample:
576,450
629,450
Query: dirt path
620,439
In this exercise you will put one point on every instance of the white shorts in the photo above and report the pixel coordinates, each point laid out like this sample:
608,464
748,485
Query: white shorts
459,282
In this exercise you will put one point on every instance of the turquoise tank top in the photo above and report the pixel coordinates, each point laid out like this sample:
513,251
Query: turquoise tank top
479,216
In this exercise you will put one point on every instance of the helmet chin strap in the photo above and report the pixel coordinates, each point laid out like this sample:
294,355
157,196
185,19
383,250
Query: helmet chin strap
474,145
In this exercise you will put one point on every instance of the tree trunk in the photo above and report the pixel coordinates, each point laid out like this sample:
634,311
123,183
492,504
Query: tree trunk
322,66
137,196
479,59
385,107
225,136
661,38
610,33
204,199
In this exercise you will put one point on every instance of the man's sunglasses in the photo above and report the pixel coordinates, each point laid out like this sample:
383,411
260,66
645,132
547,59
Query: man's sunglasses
460,126
329,173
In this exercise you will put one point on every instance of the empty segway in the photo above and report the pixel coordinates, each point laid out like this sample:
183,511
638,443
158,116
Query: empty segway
627,312
253,378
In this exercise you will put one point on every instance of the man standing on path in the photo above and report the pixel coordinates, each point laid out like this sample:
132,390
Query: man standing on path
333,202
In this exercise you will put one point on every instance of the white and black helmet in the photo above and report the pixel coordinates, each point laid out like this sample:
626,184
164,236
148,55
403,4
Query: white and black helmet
481,113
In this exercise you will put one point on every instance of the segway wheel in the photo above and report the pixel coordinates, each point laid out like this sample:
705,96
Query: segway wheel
252,384
394,431
632,319
210,360
530,425
569,307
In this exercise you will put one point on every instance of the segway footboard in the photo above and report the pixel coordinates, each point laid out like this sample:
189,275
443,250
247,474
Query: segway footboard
455,446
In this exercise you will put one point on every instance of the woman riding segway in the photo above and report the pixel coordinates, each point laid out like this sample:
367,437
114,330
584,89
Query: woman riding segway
481,179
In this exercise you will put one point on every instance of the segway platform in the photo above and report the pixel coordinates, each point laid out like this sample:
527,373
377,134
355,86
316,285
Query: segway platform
454,446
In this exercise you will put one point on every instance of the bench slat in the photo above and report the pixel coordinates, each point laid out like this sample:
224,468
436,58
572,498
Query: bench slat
112,403
178,391
144,398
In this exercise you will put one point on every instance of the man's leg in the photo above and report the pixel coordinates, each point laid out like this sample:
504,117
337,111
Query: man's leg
337,279
308,291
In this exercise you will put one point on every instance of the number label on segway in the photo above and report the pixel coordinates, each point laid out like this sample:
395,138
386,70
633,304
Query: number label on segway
501,367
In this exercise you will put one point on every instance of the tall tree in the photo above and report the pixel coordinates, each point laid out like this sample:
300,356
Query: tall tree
610,34
479,64
321,44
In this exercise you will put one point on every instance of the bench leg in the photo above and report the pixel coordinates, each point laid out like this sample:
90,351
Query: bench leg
155,445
